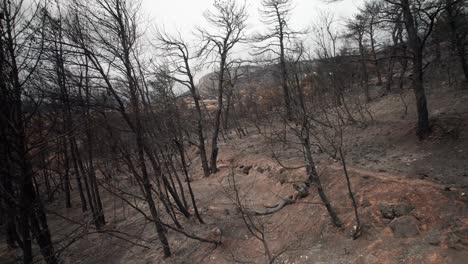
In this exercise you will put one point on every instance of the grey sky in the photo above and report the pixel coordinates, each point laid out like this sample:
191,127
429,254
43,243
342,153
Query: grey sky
185,15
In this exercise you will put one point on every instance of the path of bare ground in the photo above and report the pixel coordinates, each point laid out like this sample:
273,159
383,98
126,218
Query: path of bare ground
401,185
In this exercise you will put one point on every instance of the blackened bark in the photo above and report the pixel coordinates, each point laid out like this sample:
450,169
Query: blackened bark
201,136
29,206
180,148
312,175
284,71
66,175
365,75
416,45
458,37
126,49
219,111
374,52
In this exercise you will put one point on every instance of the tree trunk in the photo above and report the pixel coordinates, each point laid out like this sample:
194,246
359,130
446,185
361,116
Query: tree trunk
365,75
201,136
66,174
313,177
187,180
228,108
457,37
101,220
416,47
374,53
423,129
219,111
27,200
284,71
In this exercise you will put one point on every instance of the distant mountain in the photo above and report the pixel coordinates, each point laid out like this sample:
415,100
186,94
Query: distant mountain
250,79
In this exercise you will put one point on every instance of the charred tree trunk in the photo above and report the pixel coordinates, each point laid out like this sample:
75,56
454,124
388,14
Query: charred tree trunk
29,205
187,180
228,108
312,175
416,45
374,52
89,144
201,136
66,175
284,71
365,75
219,111
457,36
138,128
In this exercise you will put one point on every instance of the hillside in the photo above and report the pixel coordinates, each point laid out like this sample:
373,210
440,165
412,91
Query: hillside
411,197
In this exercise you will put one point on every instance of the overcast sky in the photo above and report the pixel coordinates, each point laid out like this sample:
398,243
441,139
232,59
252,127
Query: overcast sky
184,15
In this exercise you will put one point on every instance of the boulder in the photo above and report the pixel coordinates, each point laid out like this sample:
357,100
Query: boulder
402,209
405,226
433,238
386,210
390,211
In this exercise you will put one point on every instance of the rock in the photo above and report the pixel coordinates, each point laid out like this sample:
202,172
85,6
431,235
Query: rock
282,178
216,231
246,169
302,190
433,238
405,226
423,175
386,210
367,259
390,211
453,241
402,209
450,189
462,234
260,169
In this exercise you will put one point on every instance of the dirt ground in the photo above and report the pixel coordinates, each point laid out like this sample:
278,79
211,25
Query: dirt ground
390,143
412,199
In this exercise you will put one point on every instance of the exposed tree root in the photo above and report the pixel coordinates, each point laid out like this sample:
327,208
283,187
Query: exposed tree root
301,191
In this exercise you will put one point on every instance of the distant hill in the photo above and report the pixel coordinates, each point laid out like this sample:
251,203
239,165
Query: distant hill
250,79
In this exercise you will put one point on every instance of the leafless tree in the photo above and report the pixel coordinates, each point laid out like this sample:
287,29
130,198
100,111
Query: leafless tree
21,47
276,15
419,18
457,18
228,22
372,10
179,52
357,29
116,36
